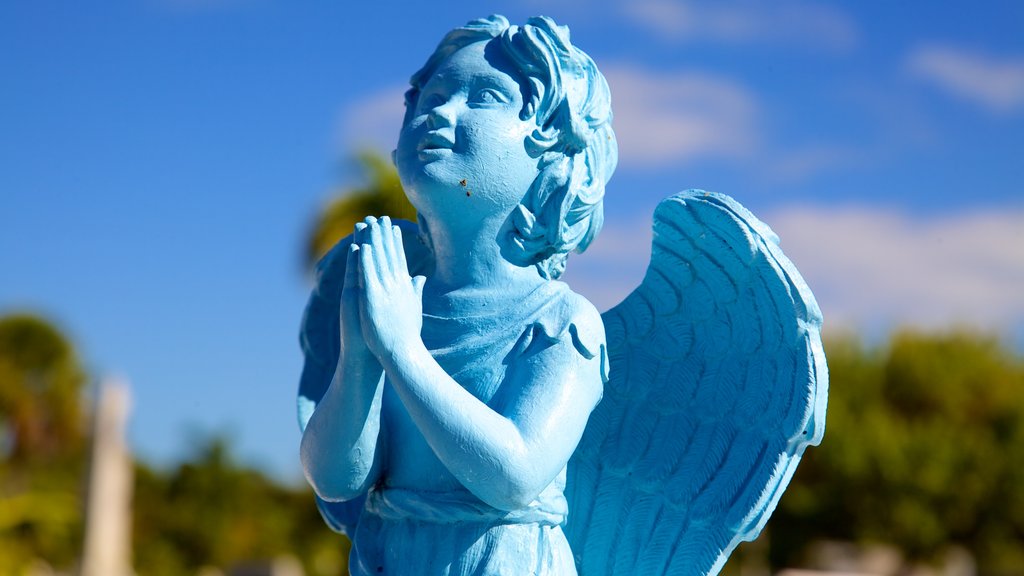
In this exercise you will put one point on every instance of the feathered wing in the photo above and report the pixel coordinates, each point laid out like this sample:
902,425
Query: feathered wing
718,384
320,340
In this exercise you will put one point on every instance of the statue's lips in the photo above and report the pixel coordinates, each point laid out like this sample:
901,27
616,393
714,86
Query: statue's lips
435,142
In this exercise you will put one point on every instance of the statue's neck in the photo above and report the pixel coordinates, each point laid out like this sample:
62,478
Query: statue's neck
469,258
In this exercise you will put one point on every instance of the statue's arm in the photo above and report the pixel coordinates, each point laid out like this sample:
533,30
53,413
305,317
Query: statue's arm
341,448
504,458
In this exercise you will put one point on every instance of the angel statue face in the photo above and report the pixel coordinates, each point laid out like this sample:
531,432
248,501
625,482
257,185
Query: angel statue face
509,127
465,129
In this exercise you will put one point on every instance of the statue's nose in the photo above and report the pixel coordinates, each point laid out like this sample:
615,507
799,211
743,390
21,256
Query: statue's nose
441,116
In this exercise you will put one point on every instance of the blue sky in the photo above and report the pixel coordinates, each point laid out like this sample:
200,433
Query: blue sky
161,161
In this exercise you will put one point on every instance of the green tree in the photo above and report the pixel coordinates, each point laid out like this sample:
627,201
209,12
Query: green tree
382,195
40,394
211,511
42,443
924,448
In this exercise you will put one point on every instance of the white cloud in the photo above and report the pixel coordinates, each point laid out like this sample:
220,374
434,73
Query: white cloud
662,118
870,268
374,121
779,22
997,84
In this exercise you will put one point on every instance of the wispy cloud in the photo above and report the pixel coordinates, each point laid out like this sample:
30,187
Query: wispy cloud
870,268
781,22
679,116
374,120
992,82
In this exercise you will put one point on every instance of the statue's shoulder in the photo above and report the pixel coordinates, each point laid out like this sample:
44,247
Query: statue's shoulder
568,317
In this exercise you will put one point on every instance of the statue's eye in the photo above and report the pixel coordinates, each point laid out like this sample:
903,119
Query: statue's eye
431,101
489,96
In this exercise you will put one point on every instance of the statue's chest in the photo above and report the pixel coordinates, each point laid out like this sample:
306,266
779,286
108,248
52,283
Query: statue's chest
475,356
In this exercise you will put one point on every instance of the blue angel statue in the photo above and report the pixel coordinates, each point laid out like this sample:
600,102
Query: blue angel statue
464,412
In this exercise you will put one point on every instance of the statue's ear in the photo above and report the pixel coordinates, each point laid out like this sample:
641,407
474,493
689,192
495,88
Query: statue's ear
540,141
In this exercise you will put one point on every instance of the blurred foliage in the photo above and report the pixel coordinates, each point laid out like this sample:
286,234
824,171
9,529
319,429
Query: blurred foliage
42,443
382,195
40,399
208,511
923,449
211,511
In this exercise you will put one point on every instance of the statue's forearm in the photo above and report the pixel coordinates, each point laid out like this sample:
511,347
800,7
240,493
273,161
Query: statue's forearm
483,449
340,446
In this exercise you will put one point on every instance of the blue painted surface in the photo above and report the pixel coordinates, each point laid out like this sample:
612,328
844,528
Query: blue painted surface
450,376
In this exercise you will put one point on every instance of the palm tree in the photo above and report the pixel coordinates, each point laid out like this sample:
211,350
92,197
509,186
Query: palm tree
42,444
382,195
40,391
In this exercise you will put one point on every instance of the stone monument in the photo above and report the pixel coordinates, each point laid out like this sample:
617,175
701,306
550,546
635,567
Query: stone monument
464,412
108,511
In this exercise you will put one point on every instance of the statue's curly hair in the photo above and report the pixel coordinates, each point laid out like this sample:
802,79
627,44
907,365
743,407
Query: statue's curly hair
569,100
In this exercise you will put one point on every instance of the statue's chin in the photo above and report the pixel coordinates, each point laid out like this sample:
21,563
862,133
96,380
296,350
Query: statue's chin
433,169
442,203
